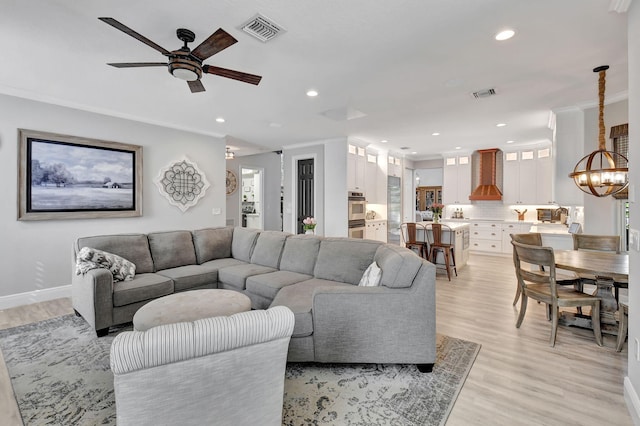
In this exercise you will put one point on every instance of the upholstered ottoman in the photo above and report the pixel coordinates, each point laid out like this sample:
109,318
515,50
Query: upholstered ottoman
190,306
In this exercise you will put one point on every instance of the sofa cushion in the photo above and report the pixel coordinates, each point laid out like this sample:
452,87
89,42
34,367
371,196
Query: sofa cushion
300,253
236,276
172,249
299,298
212,243
399,265
133,247
242,244
344,259
268,248
268,285
190,276
142,287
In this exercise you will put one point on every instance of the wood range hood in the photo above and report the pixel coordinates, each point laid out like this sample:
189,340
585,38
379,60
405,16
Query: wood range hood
487,188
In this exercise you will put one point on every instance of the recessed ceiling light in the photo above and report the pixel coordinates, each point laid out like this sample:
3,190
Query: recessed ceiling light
505,35
414,152
509,141
501,124
220,120
384,141
435,134
458,147
312,93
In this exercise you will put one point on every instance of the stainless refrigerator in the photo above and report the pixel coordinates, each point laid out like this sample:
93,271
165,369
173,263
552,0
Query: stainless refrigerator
394,209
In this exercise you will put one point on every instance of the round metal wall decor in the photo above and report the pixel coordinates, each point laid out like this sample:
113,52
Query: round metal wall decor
232,182
182,184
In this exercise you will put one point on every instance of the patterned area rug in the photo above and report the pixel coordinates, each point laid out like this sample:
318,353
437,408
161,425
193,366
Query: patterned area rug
60,375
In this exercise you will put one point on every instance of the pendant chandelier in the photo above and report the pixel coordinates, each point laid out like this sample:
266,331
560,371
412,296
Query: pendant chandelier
602,172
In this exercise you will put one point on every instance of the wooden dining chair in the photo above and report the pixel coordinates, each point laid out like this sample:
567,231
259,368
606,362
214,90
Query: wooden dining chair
441,240
623,324
541,285
409,233
562,277
609,243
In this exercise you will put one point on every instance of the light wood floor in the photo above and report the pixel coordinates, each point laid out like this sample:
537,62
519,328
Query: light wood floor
517,378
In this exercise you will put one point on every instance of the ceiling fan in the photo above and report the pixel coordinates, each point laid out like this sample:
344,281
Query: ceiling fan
184,63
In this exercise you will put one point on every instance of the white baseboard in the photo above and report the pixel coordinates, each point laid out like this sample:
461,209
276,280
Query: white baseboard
632,400
36,296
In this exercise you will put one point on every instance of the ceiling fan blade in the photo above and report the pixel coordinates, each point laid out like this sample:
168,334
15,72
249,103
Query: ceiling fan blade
132,33
236,75
216,42
138,64
196,86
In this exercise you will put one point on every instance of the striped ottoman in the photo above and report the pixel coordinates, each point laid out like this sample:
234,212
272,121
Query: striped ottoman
190,306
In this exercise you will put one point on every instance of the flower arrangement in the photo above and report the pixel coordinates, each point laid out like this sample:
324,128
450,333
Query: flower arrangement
437,208
309,223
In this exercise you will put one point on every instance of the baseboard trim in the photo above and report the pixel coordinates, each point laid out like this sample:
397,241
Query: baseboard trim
36,296
632,400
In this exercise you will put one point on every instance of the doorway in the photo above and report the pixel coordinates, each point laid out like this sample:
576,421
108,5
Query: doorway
251,197
305,192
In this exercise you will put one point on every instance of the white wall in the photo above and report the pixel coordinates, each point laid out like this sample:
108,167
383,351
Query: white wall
632,382
270,162
336,208
568,149
36,255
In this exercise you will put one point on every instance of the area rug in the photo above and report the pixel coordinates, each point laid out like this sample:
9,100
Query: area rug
60,375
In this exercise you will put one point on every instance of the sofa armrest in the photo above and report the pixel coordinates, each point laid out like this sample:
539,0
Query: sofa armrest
92,297
377,324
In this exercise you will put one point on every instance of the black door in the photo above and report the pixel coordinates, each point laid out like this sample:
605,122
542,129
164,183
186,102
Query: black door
305,191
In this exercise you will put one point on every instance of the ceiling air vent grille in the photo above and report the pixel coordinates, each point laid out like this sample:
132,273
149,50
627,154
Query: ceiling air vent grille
262,28
484,93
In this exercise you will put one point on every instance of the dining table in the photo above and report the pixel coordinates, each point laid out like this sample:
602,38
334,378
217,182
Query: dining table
607,267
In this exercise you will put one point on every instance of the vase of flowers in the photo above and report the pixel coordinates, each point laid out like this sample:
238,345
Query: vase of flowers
437,208
309,225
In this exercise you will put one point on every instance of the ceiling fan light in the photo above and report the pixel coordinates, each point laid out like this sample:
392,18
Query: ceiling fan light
184,74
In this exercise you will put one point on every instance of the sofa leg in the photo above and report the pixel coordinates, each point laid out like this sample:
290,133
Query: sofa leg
102,332
77,313
425,368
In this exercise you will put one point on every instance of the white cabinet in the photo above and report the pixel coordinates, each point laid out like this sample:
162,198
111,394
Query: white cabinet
456,180
461,246
376,230
394,166
528,176
486,236
512,228
375,178
356,168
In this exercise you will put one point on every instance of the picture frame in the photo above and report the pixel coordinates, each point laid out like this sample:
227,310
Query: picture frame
69,177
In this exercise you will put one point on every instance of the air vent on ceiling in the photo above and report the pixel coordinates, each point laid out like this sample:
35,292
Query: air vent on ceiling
484,93
262,28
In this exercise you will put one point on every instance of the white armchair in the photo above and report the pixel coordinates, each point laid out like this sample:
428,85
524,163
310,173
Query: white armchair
221,370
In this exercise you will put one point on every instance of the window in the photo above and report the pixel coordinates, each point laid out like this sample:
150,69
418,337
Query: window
620,136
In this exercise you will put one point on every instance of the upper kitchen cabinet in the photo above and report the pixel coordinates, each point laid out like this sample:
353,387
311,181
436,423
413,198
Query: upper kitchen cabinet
528,176
394,166
456,179
375,178
356,168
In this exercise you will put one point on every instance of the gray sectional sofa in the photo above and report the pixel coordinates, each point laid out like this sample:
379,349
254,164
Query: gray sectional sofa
336,320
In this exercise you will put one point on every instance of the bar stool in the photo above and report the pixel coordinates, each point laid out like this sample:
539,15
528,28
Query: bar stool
439,243
409,231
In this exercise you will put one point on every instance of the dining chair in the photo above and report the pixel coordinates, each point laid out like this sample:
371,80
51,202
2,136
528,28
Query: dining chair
441,239
541,285
562,277
409,233
623,324
610,243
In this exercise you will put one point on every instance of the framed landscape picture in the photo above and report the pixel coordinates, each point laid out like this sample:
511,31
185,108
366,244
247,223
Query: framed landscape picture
68,177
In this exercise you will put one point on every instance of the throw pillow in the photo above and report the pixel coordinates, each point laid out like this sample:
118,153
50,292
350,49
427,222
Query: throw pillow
371,276
90,258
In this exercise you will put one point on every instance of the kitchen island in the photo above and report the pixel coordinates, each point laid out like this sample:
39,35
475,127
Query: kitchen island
460,239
